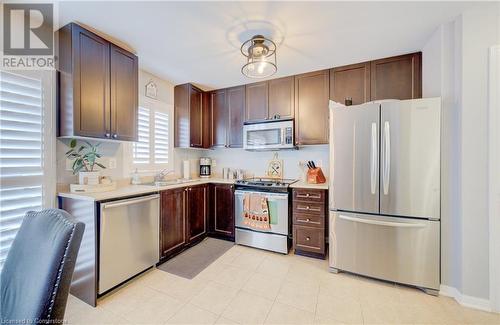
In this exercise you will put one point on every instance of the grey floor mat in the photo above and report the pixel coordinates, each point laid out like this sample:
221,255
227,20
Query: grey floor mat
194,260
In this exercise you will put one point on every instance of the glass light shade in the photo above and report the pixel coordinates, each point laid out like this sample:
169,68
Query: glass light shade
261,68
261,57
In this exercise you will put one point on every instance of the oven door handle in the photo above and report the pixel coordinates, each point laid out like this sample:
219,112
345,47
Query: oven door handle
281,196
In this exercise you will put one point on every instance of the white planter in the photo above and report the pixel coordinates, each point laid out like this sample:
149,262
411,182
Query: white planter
88,178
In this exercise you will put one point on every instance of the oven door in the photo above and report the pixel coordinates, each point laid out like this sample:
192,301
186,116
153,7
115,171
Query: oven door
278,206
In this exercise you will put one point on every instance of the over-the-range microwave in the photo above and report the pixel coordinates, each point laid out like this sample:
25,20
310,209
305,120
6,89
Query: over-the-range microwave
268,135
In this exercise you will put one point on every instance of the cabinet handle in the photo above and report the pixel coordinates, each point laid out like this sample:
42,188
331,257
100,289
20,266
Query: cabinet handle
308,238
190,189
107,135
115,136
308,220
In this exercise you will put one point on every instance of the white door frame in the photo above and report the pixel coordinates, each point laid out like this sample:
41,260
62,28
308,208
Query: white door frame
494,176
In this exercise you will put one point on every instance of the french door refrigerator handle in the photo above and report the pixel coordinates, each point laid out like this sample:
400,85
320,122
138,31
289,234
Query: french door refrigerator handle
382,223
387,157
373,156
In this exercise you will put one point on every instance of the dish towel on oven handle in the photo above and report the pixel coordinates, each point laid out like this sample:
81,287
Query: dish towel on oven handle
256,211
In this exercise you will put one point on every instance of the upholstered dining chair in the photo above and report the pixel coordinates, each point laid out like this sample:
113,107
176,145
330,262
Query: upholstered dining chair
36,276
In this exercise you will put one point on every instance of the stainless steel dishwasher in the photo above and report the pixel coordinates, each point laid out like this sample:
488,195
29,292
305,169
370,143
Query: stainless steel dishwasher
128,239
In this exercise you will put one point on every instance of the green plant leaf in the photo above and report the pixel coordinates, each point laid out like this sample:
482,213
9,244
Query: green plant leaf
72,143
100,165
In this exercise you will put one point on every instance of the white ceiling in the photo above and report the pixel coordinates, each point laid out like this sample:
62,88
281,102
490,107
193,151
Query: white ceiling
199,41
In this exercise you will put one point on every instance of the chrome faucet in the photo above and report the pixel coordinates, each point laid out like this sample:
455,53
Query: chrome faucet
162,173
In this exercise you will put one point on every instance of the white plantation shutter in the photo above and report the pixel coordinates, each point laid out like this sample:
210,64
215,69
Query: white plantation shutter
161,138
152,150
21,153
142,147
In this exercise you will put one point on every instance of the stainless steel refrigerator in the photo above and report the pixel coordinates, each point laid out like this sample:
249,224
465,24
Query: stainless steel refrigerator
385,191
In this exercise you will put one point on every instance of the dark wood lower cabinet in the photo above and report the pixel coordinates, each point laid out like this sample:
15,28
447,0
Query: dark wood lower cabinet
309,209
183,218
221,215
197,197
172,222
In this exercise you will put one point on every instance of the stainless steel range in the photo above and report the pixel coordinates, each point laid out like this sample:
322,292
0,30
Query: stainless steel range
277,237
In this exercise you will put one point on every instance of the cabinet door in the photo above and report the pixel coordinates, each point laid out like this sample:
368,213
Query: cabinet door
196,117
256,102
351,81
124,94
172,221
281,97
197,211
220,118
181,116
398,77
91,84
222,213
311,108
236,107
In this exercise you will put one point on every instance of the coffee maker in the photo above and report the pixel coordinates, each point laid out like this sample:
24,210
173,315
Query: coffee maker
205,167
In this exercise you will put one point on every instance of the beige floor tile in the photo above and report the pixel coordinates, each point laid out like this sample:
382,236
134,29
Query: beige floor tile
341,285
284,314
380,313
233,276
214,297
248,308
190,314
229,256
342,309
300,295
181,288
249,260
225,321
156,310
263,285
276,265
95,316
301,272
126,298
212,271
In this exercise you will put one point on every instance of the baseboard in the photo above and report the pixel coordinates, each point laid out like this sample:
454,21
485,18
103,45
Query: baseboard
464,300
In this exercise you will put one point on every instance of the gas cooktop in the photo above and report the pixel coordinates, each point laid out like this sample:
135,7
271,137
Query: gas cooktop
266,182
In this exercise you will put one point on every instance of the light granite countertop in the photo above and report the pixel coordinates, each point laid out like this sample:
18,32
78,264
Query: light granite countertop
132,190
303,184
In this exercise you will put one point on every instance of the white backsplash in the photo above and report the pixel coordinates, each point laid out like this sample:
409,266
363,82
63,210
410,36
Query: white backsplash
254,163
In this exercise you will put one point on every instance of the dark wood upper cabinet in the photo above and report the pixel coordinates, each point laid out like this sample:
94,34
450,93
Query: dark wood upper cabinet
173,229
191,117
235,99
221,215
256,102
97,86
351,81
281,97
124,94
398,77
311,108
197,211
220,118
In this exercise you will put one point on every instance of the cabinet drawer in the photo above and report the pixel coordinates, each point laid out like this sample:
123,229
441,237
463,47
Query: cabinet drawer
308,195
309,239
312,208
308,220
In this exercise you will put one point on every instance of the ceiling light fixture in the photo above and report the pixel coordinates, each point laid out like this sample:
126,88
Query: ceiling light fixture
261,57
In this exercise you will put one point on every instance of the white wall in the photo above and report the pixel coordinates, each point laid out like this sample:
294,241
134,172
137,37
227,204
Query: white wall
455,67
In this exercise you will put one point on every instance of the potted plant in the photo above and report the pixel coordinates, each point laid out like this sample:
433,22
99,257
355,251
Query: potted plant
84,160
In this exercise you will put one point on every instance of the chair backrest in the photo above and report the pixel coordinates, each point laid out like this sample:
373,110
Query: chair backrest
36,276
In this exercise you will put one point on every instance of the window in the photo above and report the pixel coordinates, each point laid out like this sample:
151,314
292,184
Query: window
152,150
24,129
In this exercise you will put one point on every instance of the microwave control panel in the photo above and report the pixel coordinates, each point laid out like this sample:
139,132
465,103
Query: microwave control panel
288,135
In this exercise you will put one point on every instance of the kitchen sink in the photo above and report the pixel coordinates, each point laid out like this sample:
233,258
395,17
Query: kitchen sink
169,182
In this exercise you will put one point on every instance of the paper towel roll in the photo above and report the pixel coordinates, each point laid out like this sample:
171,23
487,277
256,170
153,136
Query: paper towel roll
186,166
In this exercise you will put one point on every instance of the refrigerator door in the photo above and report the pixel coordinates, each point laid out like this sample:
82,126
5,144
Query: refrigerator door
410,158
355,158
402,250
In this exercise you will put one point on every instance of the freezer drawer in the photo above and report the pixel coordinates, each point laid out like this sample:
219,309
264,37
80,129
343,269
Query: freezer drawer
394,249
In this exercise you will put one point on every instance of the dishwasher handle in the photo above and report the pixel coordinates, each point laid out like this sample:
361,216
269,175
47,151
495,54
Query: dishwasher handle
116,204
